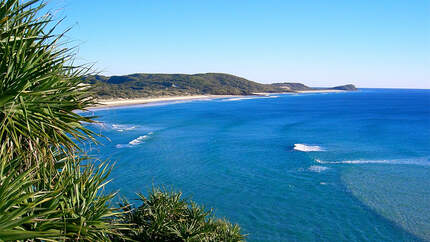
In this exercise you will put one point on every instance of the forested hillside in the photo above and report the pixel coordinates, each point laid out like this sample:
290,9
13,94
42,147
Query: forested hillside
147,85
154,85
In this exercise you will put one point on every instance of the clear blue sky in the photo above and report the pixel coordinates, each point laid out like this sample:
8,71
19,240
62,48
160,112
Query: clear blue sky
320,43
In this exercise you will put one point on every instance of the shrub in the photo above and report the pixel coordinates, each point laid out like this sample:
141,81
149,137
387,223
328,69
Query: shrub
69,206
45,193
166,216
40,88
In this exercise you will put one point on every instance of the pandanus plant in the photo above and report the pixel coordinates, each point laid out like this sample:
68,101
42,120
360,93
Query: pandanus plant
48,191
164,215
45,191
72,206
40,88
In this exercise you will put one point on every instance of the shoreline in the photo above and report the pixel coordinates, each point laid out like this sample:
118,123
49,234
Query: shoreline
109,103
303,91
321,91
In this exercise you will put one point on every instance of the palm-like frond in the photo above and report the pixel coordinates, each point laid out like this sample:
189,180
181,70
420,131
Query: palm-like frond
166,216
39,88
46,193
86,210
20,206
71,206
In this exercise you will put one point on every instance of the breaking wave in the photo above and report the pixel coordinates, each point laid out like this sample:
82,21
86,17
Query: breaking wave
307,148
122,127
246,98
413,161
137,141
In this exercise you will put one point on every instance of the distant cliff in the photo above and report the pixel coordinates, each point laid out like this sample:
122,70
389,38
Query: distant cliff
348,87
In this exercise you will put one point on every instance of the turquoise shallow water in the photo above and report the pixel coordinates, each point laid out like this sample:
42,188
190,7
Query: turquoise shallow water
351,166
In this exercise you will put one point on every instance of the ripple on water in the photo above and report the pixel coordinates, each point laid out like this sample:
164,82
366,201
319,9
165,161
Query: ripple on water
400,193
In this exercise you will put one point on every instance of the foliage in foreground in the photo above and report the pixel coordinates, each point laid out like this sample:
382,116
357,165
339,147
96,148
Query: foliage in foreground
166,216
39,87
71,205
47,191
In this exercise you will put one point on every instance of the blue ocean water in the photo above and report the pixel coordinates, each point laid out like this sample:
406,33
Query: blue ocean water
352,166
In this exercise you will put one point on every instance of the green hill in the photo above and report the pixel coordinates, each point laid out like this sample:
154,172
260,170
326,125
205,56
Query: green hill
348,87
153,85
147,85
292,86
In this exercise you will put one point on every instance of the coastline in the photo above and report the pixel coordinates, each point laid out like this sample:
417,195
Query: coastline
321,91
296,91
108,103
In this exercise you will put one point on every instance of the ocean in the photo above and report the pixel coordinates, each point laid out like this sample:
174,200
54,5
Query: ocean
351,166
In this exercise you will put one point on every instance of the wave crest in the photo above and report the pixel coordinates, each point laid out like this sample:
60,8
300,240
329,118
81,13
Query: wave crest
246,98
307,148
137,141
413,161
122,127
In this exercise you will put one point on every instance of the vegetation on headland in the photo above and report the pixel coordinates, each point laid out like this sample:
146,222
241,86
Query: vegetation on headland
150,85
348,87
292,87
155,85
48,190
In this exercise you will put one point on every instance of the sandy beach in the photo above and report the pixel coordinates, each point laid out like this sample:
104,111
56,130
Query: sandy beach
293,92
320,91
106,103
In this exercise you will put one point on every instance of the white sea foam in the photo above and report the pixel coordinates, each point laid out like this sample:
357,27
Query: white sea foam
246,98
138,140
236,99
317,168
307,148
122,127
164,103
414,161
100,125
